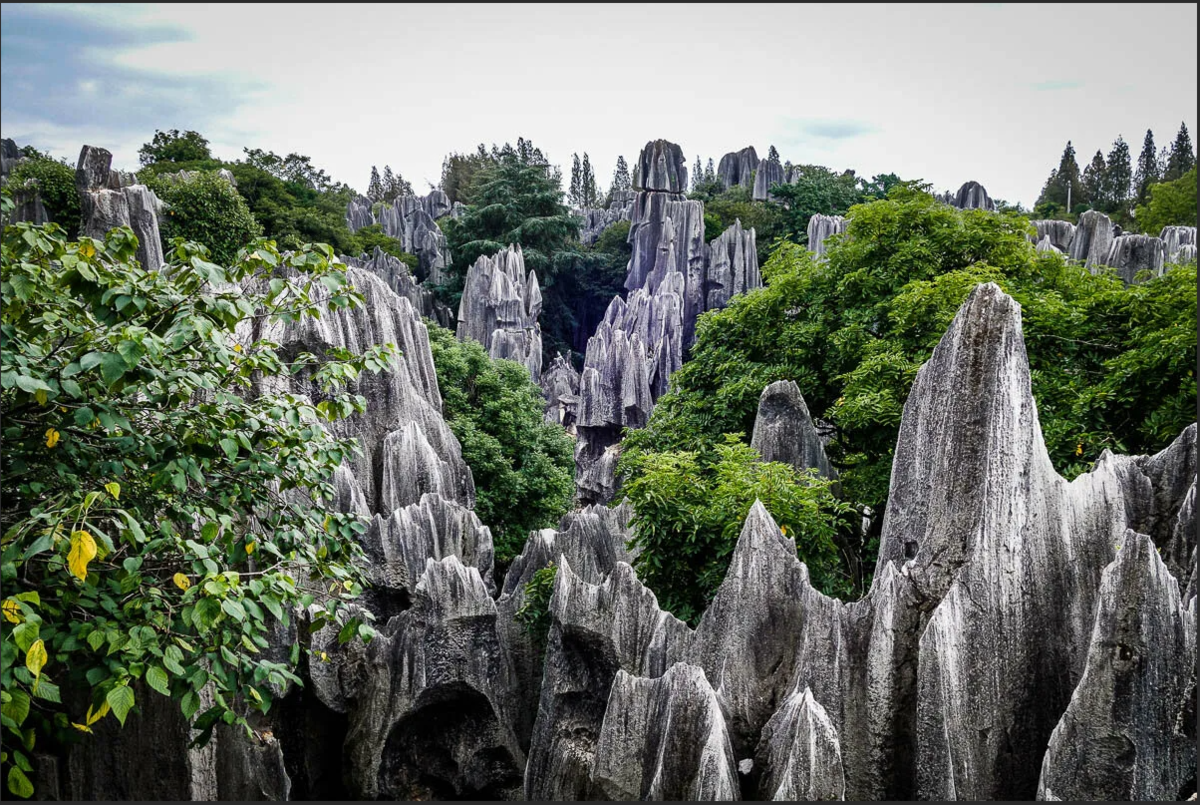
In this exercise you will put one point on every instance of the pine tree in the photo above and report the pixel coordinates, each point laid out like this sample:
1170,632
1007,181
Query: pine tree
697,173
1147,169
772,154
587,184
1118,177
710,171
621,180
574,192
1063,189
375,187
1095,178
1182,156
394,185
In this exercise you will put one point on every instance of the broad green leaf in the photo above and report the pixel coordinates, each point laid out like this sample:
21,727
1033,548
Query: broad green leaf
36,658
157,679
18,783
120,699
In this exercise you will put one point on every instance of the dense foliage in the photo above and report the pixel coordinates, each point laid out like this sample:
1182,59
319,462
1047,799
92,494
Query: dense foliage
1170,203
534,613
159,519
1111,366
55,182
172,146
206,209
524,468
690,507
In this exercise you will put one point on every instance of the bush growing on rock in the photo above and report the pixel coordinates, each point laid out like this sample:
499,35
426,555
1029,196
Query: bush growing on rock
55,180
160,520
208,210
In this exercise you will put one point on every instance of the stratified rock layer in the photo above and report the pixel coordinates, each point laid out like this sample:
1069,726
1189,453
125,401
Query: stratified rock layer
499,309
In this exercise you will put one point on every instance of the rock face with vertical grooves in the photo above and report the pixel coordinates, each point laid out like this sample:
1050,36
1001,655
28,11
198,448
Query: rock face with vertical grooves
412,220
973,196
664,739
738,167
769,174
800,754
499,309
595,221
1093,239
784,431
107,205
398,277
820,228
1125,734
732,266
1176,242
560,387
1130,254
661,168
1059,233
9,155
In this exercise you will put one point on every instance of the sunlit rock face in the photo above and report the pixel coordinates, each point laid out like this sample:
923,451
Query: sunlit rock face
769,173
401,280
1131,254
412,220
784,430
499,309
107,204
1179,242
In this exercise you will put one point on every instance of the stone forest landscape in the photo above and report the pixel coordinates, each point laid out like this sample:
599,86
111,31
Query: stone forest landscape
815,440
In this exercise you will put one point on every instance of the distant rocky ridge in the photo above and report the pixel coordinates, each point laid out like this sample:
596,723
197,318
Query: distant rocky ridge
412,220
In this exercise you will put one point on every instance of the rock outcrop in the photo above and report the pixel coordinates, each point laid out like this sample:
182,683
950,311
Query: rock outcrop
661,168
412,220
1060,234
106,205
738,167
1093,239
769,173
400,279
800,756
973,196
560,387
732,267
1131,254
1179,242
784,431
821,228
595,221
499,309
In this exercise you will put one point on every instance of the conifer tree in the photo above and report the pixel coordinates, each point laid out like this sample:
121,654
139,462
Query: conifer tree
394,185
375,187
1118,177
575,190
621,180
588,191
1147,169
1095,177
710,171
1182,158
697,173
773,154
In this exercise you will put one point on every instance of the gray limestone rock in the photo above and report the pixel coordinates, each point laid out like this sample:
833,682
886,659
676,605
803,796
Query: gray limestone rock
1124,734
595,221
664,739
821,228
800,753
1131,254
731,266
784,431
1045,245
400,279
769,174
560,387
973,196
359,214
661,167
106,205
1059,233
9,154
738,167
499,309
1175,240
1093,238
412,221
143,208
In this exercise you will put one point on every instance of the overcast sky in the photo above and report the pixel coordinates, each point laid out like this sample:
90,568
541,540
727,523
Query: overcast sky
987,91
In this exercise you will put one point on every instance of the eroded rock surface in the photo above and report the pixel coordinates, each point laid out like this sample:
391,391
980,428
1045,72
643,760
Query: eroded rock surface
769,173
499,309
1093,239
820,228
1179,242
738,167
401,280
106,205
784,430
1131,254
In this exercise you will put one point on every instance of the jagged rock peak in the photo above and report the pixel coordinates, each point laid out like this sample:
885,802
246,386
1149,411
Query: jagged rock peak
1130,254
661,167
800,754
821,228
737,168
399,278
560,387
731,266
768,174
1111,743
1176,240
1059,233
784,431
973,196
499,309
106,204
665,739
1093,239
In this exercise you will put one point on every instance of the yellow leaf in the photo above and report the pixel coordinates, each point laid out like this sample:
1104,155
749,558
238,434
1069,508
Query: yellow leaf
81,727
249,547
93,717
181,581
325,525
12,611
1079,450
40,396
237,347
35,658
113,488
83,550
324,657
349,585
51,437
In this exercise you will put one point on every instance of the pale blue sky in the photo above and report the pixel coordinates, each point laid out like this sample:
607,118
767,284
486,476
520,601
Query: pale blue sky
989,92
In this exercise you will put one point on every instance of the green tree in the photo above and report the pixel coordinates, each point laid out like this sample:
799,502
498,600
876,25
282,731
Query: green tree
171,146
524,467
1182,158
459,172
690,509
375,186
1061,187
1095,178
818,190
160,518
1170,203
574,195
621,179
394,185
853,329
1147,170
55,182
207,209
589,193
768,219
1118,178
